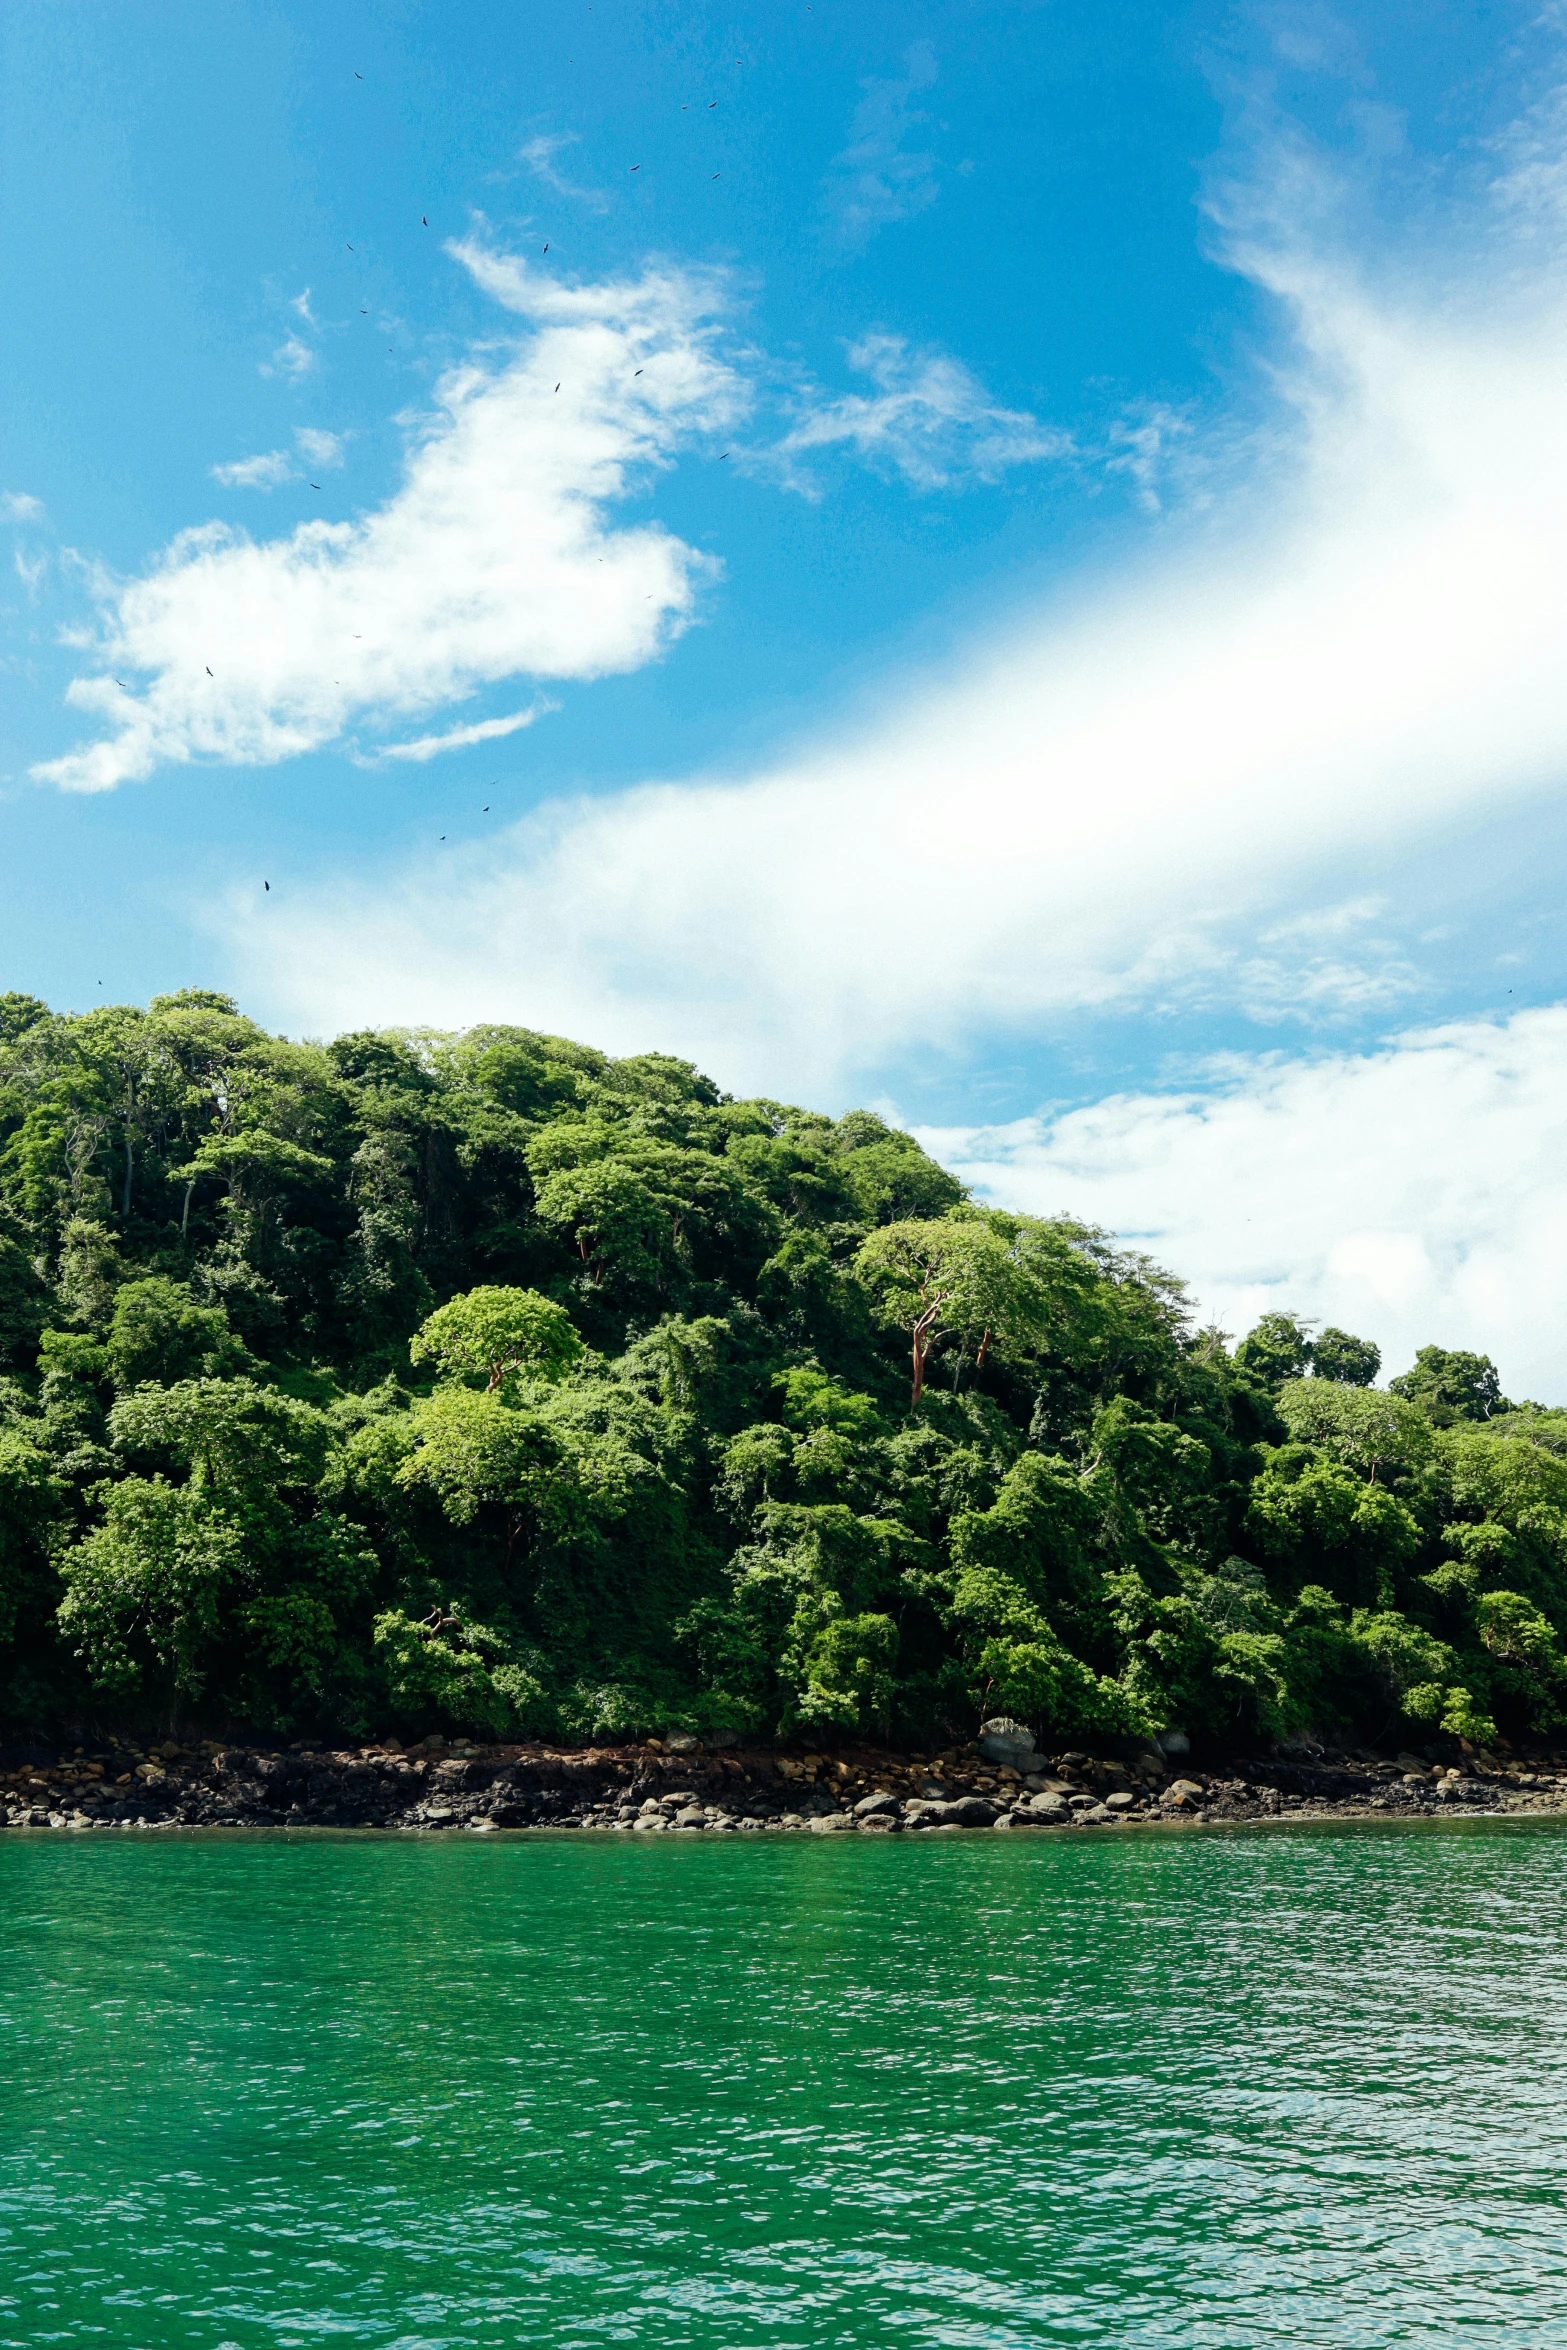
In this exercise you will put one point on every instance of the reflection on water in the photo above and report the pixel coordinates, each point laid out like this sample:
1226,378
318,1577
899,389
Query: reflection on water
1112,2091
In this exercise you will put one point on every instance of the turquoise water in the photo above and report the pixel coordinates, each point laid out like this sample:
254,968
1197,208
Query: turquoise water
1120,2091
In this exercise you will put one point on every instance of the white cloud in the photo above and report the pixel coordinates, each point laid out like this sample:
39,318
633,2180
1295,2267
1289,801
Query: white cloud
461,738
276,466
30,573
17,506
495,558
1413,1194
291,358
539,155
1114,800
300,306
877,180
929,420
267,472
319,448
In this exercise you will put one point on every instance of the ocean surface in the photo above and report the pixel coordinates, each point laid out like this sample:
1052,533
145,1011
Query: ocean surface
1302,2086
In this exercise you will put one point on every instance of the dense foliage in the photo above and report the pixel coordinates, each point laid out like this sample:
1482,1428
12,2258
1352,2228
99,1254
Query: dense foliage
487,1382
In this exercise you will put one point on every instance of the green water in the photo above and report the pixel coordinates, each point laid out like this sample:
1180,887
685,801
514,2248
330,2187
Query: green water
1194,2090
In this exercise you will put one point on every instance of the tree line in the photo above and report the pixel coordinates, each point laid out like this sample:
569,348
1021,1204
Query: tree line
489,1382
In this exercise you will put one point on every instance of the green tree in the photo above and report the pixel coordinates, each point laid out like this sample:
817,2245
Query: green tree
1378,1436
495,1334
1279,1347
143,1591
158,1332
1450,1386
954,1282
1353,1362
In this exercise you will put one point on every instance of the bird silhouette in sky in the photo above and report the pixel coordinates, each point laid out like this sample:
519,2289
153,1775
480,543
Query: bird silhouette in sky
315,485
266,885
209,673
424,220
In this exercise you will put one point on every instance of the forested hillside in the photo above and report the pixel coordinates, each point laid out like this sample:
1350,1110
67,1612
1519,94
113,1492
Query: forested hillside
484,1382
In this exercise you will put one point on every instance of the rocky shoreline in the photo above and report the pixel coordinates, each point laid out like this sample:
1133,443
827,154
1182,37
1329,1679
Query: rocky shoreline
440,1787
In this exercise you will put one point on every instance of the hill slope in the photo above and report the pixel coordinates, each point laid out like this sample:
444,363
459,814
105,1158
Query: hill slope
485,1381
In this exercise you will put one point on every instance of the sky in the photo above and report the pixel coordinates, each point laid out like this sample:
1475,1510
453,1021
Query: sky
1001,561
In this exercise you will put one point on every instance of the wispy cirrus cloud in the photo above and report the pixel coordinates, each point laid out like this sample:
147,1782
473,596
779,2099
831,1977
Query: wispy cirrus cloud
19,506
496,557
879,178
539,155
928,420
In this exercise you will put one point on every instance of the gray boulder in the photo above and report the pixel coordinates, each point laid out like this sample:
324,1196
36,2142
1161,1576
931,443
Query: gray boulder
966,1811
1002,1740
1042,1811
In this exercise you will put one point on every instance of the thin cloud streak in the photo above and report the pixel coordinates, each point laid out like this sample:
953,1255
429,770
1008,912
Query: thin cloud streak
458,738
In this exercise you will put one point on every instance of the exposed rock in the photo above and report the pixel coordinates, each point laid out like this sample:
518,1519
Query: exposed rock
1042,1811
1003,1740
965,1811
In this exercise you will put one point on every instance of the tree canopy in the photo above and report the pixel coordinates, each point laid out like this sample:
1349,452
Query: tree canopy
488,1382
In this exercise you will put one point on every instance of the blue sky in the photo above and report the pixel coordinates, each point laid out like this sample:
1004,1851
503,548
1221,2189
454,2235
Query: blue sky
1036,603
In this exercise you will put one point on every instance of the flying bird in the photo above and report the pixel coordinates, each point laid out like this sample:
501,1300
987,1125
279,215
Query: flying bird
638,371
350,248
424,220
546,248
315,485
120,682
267,884
209,673
557,387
